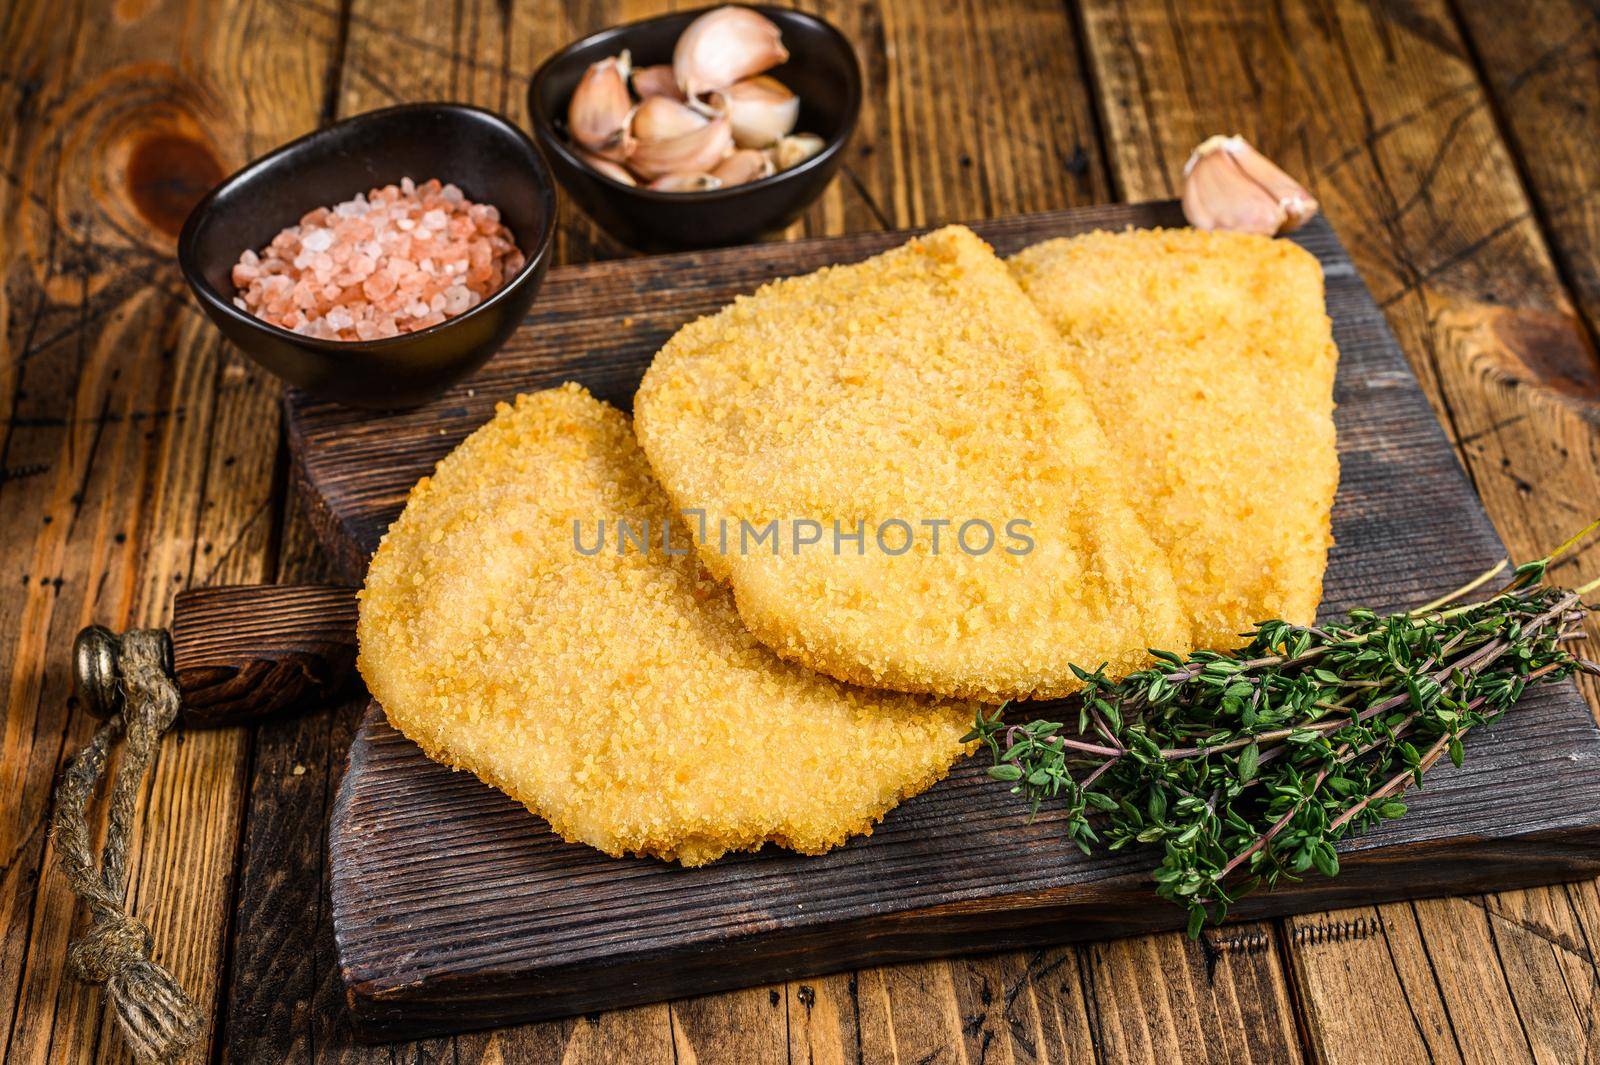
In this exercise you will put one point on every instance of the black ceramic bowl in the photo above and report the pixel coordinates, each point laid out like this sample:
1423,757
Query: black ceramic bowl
822,69
489,158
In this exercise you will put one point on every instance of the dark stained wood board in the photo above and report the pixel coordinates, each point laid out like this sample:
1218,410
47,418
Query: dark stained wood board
454,908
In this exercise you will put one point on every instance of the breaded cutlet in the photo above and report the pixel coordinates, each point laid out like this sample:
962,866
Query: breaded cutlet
616,694
918,386
1209,358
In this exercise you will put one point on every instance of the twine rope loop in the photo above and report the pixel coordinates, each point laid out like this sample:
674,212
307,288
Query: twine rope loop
158,1018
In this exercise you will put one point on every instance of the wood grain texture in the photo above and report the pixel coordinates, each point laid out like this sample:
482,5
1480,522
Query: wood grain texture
1381,109
285,1001
138,456
243,653
1540,63
110,388
1050,159
453,907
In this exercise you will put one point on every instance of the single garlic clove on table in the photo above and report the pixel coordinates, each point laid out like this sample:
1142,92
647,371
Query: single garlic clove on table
656,81
686,182
795,149
673,138
744,165
598,114
1229,185
723,46
763,110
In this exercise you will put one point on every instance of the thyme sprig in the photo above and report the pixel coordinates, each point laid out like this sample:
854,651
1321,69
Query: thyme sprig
1246,768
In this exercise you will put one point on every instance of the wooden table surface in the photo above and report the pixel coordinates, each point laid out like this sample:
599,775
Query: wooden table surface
1453,144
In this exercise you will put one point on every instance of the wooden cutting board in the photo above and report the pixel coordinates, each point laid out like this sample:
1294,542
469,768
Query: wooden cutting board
455,908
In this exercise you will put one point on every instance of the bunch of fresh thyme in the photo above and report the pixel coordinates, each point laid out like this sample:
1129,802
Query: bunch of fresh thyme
1248,767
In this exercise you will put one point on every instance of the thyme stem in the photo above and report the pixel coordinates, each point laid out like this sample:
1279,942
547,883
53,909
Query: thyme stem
1248,767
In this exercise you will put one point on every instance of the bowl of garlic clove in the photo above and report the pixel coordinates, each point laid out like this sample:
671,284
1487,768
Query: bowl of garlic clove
698,128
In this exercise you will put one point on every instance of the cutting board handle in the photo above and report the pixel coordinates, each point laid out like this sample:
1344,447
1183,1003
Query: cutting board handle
239,653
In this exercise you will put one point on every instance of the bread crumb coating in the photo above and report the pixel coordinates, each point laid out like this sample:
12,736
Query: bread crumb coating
920,385
1209,358
616,694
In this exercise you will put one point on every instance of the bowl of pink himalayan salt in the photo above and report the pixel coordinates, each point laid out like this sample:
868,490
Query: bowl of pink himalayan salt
380,260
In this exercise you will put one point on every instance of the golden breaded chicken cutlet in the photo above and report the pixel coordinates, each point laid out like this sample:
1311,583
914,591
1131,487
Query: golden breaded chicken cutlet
615,692
1210,359
866,404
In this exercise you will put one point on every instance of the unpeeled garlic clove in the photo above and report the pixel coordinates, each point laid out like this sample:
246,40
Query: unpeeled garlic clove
746,164
656,81
598,113
600,164
763,110
672,138
795,149
723,46
686,182
1298,204
1229,185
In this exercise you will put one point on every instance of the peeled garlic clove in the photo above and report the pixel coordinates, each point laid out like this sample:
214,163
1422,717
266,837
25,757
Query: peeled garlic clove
597,115
1229,185
686,182
661,118
725,46
763,110
746,164
683,142
656,81
796,149
614,171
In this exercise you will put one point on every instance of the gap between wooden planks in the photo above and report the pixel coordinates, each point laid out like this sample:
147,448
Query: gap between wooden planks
140,456
1383,110
976,109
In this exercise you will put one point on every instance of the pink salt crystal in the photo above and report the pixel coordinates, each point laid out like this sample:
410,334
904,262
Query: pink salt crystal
392,260
377,286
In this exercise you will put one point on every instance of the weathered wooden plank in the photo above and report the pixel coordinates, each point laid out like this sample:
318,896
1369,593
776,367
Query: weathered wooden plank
138,454
437,879
747,1025
1365,988
1381,109
1223,998
1036,89
1541,63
